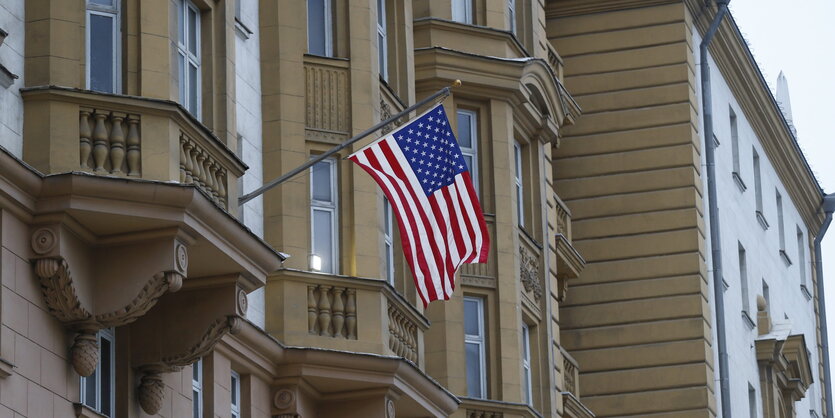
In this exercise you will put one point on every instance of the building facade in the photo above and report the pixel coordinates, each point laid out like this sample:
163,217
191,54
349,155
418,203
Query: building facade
642,321
134,284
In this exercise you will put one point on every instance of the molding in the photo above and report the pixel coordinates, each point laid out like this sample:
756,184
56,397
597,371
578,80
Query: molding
739,182
218,329
761,219
786,258
582,7
6,368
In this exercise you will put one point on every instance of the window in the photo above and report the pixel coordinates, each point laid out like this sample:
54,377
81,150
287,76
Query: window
462,11
767,298
235,392
781,226
752,402
197,389
388,238
468,141
320,27
801,257
734,140
382,40
323,215
527,390
758,190
102,43
520,191
474,347
511,16
743,280
188,55
98,389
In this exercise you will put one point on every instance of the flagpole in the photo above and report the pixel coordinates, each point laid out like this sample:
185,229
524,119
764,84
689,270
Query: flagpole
444,92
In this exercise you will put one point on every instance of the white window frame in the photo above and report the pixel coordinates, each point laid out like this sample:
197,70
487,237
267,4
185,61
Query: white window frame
781,226
743,279
526,365
468,11
801,255
332,208
197,387
511,16
235,395
519,184
734,123
114,13
328,29
388,240
108,335
481,342
472,150
189,57
382,37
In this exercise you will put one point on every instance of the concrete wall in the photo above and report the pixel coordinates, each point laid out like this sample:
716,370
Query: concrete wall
11,57
739,224
248,113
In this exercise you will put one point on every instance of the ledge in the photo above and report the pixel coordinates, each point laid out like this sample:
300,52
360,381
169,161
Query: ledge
6,368
748,321
739,182
761,220
7,78
785,257
805,291
83,411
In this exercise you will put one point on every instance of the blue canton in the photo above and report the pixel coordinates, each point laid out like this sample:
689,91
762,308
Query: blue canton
431,150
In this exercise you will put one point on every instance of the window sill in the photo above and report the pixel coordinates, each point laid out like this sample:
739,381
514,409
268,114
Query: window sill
83,411
6,368
7,78
716,142
805,292
762,221
785,258
242,29
725,284
739,182
748,321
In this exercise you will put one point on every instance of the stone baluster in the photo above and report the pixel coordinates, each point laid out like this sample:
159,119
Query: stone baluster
199,175
221,185
99,142
312,311
117,144
85,146
182,160
187,147
324,311
207,175
133,155
338,312
351,314
212,179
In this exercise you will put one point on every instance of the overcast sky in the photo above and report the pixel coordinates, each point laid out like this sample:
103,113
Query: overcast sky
797,37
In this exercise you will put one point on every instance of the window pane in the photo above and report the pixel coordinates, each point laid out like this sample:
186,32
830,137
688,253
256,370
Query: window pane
471,317
389,264
106,363
381,55
459,10
181,65
90,394
192,31
387,216
101,2
192,88
381,13
234,390
322,182
469,160
195,409
323,238
102,53
465,133
181,25
316,27
473,353
526,379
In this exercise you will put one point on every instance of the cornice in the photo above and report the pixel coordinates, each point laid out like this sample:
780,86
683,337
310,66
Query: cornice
564,8
745,79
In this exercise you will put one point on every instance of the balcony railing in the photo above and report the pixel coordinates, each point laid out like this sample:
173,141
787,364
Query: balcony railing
327,98
344,313
571,373
126,136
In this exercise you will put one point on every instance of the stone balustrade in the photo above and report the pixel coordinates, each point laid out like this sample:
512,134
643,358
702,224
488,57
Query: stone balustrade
327,98
125,136
571,374
344,313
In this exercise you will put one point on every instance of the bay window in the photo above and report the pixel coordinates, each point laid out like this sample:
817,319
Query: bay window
468,142
462,11
527,391
320,27
475,347
188,56
323,216
102,42
382,40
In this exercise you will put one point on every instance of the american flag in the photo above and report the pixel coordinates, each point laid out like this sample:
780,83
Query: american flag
425,178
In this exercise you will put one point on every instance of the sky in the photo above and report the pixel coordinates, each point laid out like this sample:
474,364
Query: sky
797,37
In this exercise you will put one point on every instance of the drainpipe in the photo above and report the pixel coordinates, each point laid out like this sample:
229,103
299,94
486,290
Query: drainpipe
713,210
828,207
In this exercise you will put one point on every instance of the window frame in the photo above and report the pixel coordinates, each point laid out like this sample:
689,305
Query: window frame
235,395
109,335
519,184
189,57
511,16
382,40
527,371
744,284
197,387
481,341
330,207
388,240
327,28
801,256
468,11
472,150
113,12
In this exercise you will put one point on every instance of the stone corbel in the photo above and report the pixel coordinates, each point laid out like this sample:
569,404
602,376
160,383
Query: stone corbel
75,311
286,402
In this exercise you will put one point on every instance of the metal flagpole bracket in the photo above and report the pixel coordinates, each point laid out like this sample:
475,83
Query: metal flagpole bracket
442,94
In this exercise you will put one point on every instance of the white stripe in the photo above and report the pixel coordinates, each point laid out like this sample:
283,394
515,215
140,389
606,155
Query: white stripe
450,238
396,201
427,209
468,242
471,215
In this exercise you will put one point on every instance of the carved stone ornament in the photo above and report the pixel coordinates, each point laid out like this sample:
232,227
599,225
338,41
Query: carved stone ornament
151,393
390,409
84,354
284,399
243,303
529,272
228,325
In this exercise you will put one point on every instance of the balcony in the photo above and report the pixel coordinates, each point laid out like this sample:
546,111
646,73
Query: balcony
344,313
571,388
68,130
327,98
486,408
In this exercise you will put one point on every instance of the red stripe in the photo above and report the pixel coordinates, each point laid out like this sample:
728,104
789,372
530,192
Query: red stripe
485,238
456,227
